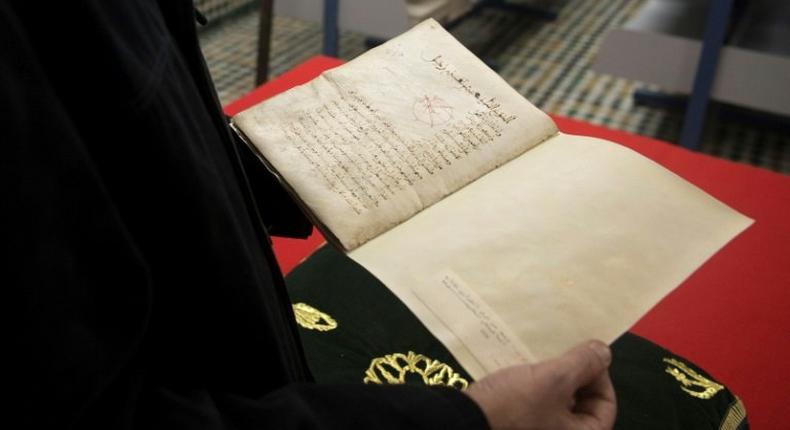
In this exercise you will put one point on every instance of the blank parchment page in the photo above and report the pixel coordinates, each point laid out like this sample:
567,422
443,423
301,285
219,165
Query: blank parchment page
575,239
370,143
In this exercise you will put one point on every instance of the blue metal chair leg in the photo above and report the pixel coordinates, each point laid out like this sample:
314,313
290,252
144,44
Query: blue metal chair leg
331,31
715,31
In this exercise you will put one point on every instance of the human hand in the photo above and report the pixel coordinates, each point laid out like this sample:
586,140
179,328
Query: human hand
572,391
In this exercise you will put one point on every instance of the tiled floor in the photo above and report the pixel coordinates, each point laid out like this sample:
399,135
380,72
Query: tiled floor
549,62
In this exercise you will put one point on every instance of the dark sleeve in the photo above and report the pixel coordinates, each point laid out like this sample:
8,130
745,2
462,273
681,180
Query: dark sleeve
380,407
287,218
320,407
76,283
82,296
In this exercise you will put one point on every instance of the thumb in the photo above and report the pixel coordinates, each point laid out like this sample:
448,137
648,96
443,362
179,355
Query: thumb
586,362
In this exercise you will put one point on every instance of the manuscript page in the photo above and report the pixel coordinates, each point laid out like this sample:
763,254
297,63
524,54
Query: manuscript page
371,143
575,239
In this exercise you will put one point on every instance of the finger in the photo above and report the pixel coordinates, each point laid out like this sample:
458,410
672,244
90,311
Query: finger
596,404
585,363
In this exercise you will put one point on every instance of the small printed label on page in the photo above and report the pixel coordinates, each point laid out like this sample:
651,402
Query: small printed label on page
493,344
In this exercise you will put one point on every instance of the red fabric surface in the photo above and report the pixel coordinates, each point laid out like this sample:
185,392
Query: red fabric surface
730,317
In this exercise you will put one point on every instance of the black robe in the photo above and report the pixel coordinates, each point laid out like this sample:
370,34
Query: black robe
144,292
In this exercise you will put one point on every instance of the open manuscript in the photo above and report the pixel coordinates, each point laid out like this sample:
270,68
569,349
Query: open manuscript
509,240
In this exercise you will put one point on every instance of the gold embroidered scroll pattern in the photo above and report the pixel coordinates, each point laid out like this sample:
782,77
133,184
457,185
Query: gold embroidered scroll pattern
393,368
313,319
690,379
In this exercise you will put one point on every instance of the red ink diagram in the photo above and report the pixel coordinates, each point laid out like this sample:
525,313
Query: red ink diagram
432,110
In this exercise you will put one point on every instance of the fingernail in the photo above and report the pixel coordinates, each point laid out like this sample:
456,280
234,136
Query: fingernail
603,351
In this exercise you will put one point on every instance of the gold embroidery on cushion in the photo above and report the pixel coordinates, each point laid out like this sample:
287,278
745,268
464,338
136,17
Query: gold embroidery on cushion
690,381
313,319
736,413
393,368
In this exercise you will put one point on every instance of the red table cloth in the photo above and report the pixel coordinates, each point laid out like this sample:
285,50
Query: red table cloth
732,316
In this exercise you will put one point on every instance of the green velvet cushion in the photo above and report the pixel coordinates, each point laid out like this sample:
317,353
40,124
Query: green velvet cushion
355,330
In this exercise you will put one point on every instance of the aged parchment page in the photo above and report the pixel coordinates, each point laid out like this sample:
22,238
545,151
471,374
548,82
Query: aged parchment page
369,144
575,239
